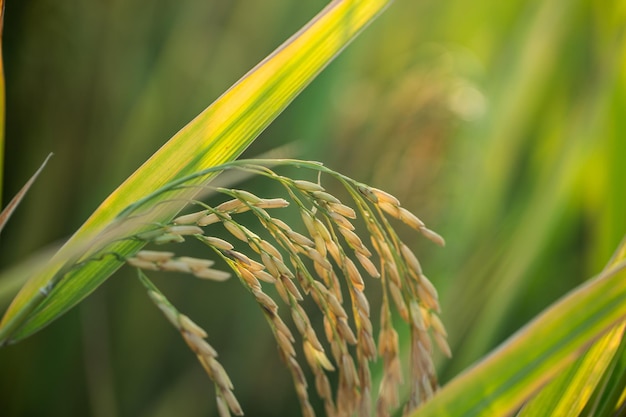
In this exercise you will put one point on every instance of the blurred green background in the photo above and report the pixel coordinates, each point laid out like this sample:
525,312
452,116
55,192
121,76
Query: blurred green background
501,124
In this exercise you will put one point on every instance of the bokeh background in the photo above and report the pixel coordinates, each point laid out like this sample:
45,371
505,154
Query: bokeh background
501,124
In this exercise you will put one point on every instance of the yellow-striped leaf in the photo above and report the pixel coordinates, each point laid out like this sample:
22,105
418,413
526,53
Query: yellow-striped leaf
501,383
219,134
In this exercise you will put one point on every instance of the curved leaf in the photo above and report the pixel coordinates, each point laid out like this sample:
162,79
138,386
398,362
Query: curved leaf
569,393
503,381
219,134
6,213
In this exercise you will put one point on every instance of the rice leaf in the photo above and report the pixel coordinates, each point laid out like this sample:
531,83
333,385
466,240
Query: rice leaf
570,392
218,134
15,201
504,380
608,399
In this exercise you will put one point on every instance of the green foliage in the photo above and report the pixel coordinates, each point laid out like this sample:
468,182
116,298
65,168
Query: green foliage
502,382
218,134
500,123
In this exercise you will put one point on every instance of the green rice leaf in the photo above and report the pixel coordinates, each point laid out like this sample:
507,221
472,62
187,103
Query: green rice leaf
6,213
510,375
609,398
571,392
217,135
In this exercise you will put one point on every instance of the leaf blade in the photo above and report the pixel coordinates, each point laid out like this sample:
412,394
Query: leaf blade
218,134
500,383
569,393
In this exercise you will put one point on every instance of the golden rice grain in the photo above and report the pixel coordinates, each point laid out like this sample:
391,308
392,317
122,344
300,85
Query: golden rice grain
264,276
432,236
361,301
188,325
348,370
321,229
342,210
307,186
353,240
322,385
270,249
353,274
398,299
426,359
222,407
328,330
316,358
367,193
212,274
428,294
248,277
269,263
390,209
196,263
230,206
154,256
334,305
285,344
393,273
442,343
308,222
175,265
367,264
333,249
232,402
291,287
438,325
198,345
311,336
235,230
384,197
208,219
367,345
282,291
282,328
416,315
166,238
317,257
272,203
364,321
320,245
218,243
299,239
324,196
427,387
280,224
184,230
265,301
410,219
299,320
142,264
411,259
341,221
169,313
247,196
344,330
